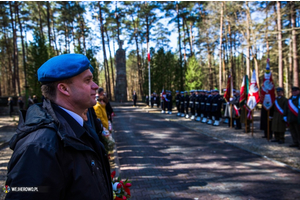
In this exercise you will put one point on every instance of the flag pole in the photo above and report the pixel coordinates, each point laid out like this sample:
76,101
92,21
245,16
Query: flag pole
149,75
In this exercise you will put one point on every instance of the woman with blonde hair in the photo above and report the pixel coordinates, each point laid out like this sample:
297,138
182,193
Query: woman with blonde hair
101,111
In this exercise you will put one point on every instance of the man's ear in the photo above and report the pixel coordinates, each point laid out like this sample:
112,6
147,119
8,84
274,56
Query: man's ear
63,88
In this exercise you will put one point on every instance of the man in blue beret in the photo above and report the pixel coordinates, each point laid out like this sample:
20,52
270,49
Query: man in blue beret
55,150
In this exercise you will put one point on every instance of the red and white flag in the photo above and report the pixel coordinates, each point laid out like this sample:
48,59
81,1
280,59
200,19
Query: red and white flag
253,96
267,89
163,94
228,93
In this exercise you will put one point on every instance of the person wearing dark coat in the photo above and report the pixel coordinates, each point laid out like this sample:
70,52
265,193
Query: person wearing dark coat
182,104
192,104
278,124
291,116
203,106
208,108
21,103
35,99
55,150
186,104
177,101
197,105
216,105
134,98
10,106
170,102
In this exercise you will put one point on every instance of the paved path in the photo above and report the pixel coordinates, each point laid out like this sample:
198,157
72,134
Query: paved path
166,160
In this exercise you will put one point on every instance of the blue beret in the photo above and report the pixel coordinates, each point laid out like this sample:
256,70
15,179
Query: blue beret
177,91
182,92
279,89
63,67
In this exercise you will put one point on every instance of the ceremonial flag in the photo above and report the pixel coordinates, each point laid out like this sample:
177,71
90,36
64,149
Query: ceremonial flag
227,93
163,94
149,57
267,90
244,91
253,96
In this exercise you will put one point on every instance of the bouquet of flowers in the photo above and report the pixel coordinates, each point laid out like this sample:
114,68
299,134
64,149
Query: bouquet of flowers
121,189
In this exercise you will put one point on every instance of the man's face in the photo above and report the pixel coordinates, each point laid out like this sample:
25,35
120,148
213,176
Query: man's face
83,90
280,93
295,92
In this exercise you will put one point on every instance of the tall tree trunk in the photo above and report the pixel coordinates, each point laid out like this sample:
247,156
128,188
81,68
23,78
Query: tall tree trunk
14,55
294,39
267,34
23,54
148,52
280,63
104,52
40,18
290,74
211,85
221,40
184,44
179,41
191,38
48,23
248,40
111,62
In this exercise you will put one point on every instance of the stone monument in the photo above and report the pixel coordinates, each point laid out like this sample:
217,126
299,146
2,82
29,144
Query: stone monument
121,80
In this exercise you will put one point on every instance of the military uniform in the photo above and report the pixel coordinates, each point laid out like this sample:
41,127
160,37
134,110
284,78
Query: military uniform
169,100
182,99
186,104
197,106
208,108
192,104
264,122
291,109
203,107
177,101
278,124
216,103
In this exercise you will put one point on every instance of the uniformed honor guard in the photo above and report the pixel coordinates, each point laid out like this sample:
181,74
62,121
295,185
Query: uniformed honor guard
216,103
192,104
134,98
163,102
177,101
208,108
182,99
186,104
203,106
278,124
197,105
291,116
155,100
169,100
236,108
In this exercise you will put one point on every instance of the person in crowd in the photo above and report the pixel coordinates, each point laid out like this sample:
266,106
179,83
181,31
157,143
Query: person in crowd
186,104
192,104
55,150
182,103
10,106
134,98
21,103
100,110
177,102
170,102
35,99
291,116
278,124
264,120
109,110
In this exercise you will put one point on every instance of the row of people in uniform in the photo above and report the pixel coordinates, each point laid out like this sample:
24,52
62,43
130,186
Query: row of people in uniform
206,106
200,105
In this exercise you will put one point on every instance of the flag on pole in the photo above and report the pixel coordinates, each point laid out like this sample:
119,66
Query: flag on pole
163,94
253,96
227,93
267,89
149,57
244,91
